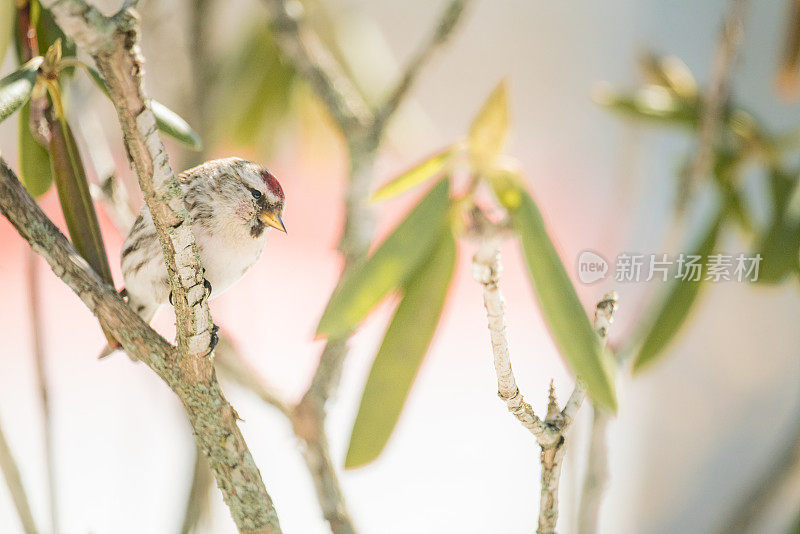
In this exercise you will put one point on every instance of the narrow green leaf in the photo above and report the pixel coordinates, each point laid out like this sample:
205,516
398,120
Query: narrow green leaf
391,264
76,203
418,174
561,308
173,125
16,88
167,120
34,161
6,26
489,130
779,244
652,102
404,346
671,311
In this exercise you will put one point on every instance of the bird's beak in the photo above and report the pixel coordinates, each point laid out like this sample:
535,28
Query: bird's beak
273,220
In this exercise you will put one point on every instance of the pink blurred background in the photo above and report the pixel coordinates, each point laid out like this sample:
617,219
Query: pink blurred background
692,433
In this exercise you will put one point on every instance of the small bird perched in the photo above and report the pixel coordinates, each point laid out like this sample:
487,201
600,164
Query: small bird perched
232,202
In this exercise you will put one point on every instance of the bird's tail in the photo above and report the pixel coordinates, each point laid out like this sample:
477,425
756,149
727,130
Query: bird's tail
145,310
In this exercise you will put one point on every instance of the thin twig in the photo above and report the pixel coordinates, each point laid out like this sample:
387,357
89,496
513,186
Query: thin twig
14,482
307,53
35,317
362,132
550,432
447,22
774,499
233,367
715,97
197,502
596,478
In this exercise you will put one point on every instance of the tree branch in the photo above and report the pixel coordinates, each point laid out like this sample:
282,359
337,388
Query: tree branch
596,479
318,66
774,499
233,367
113,44
448,20
32,274
550,432
715,97
362,133
14,482
212,419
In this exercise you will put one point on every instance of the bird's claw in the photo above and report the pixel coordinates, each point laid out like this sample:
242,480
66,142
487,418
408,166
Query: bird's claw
214,340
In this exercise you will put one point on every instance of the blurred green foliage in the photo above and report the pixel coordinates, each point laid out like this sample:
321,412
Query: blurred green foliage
416,260
263,84
401,353
671,99
389,267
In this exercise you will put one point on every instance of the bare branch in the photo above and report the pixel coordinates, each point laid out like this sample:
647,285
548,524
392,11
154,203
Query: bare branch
444,28
486,271
595,480
715,97
14,482
307,420
233,367
113,44
318,66
197,502
32,273
211,417
603,317
772,503
550,432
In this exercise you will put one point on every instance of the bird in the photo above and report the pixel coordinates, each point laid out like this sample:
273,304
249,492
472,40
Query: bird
232,203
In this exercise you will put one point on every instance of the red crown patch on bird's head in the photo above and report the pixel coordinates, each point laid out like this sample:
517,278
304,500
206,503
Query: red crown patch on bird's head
272,184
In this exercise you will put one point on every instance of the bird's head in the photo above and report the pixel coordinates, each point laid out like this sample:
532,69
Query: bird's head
244,192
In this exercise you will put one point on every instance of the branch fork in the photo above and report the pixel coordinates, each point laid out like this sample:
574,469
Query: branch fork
549,432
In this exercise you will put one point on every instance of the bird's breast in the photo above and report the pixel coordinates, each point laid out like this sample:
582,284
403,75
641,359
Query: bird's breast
226,259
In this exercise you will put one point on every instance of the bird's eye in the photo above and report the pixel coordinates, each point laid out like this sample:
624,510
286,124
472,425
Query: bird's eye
256,193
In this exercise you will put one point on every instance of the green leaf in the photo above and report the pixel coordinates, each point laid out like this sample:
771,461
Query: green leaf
670,72
34,161
652,103
389,267
173,125
562,310
48,32
779,244
16,88
404,346
420,173
167,120
671,311
489,130
7,15
76,203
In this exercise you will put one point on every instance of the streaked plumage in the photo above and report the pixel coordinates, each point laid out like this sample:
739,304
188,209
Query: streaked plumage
232,203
